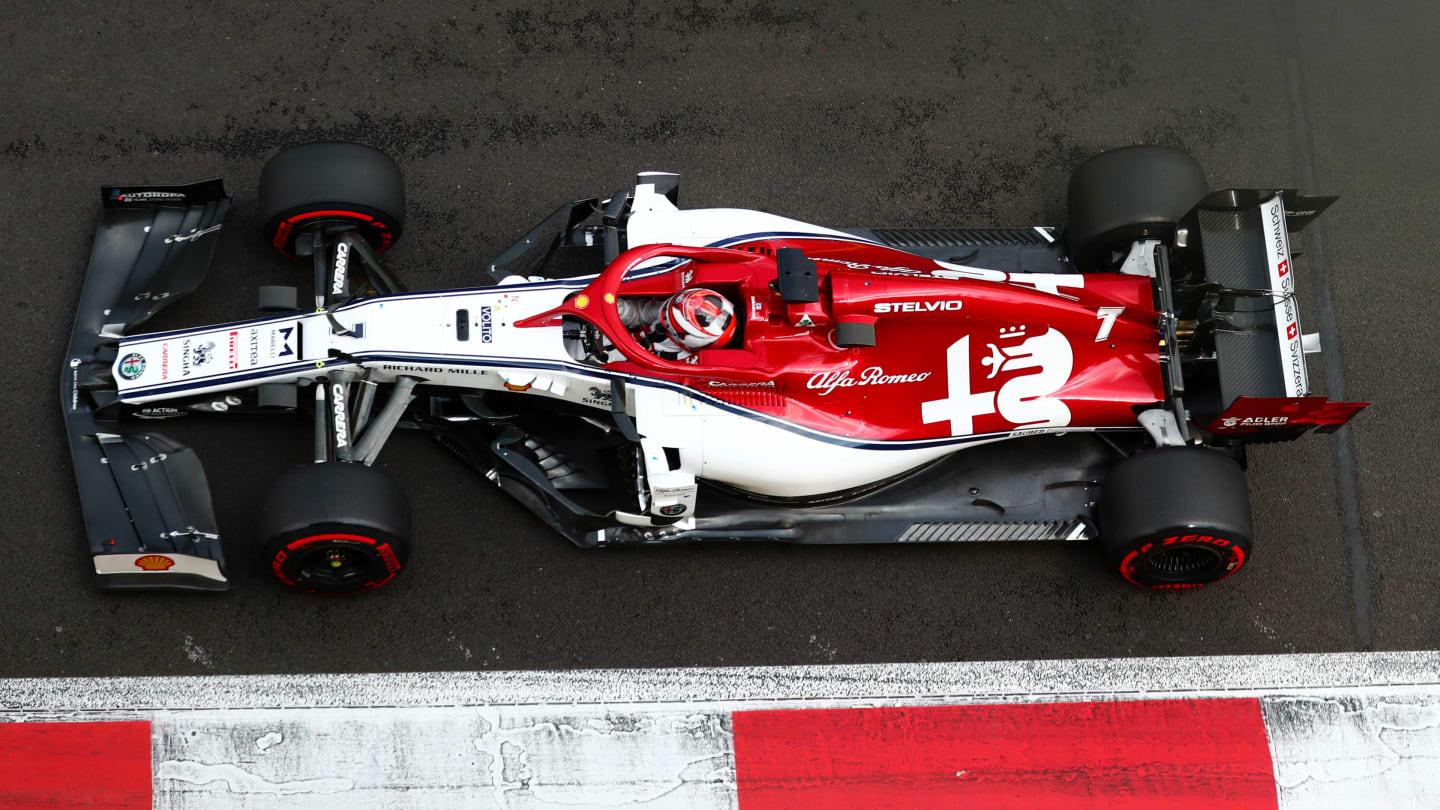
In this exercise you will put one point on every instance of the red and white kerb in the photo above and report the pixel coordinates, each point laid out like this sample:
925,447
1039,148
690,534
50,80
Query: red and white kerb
1237,733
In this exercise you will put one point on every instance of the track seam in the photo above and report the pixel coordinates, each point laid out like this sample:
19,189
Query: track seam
1002,681
1346,489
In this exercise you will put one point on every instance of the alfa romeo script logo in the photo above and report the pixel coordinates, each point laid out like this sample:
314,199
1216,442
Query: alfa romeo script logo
132,366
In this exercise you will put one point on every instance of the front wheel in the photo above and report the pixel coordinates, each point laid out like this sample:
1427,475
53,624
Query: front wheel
331,185
336,527
1176,517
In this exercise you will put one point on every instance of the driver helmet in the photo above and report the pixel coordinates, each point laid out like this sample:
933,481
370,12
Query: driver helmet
698,318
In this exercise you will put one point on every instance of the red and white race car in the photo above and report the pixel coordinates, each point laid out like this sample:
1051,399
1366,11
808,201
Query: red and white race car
871,385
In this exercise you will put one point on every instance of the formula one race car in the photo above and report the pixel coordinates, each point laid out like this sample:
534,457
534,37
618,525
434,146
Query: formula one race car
869,385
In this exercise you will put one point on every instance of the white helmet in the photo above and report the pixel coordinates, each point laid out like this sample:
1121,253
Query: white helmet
698,318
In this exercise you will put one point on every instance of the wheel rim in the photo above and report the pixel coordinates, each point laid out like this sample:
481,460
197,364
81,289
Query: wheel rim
336,566
1191,563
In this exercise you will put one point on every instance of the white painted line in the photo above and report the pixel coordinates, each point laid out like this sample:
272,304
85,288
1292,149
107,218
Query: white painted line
950,682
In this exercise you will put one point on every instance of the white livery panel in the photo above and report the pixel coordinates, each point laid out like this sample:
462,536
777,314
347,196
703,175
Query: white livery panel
209,357
467,339
1287,311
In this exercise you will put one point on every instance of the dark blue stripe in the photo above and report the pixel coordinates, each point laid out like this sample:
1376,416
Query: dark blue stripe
225,379
417,358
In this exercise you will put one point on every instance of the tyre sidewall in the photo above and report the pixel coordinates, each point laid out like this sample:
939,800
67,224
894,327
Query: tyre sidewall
378,228
386,553
1131,561
1183,495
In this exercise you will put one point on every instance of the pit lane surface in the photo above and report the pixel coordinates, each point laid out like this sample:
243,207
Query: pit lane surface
844,114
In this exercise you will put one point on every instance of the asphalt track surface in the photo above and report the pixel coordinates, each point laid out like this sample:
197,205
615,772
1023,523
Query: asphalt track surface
907,114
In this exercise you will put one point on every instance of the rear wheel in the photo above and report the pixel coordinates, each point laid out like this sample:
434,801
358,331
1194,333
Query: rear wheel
321,185
1176,517
335,528
1127,194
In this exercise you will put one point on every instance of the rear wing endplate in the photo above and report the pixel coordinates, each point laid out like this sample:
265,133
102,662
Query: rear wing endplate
1244,236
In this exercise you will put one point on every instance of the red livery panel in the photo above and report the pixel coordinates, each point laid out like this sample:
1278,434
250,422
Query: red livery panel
1250,414
959,350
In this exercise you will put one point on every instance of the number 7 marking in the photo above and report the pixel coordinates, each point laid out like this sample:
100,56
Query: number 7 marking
1107,316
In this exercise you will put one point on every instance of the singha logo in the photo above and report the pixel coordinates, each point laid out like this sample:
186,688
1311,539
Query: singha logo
201,352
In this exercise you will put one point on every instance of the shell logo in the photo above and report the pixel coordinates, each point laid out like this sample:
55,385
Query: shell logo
154,562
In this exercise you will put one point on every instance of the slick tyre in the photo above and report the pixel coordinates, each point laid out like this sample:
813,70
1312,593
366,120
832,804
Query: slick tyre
1130,193
321,185
335,528
1175,517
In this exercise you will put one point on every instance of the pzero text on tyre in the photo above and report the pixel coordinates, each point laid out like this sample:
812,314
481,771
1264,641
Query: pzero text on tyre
335,527
1176,517
331,183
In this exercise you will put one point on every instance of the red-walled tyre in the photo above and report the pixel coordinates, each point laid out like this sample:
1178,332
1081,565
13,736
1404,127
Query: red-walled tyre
1176,517
335,528
319,185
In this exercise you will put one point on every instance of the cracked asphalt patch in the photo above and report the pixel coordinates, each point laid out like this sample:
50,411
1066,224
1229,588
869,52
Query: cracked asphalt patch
923,113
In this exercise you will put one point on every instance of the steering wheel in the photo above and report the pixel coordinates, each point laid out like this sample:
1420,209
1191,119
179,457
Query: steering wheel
597,305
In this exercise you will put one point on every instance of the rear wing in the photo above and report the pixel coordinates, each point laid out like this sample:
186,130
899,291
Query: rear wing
148,515
1260,346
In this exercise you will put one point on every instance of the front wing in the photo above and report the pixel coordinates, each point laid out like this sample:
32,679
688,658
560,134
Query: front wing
146,502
